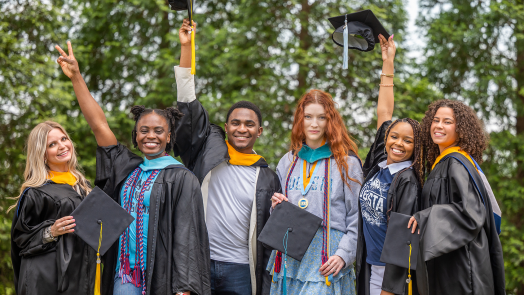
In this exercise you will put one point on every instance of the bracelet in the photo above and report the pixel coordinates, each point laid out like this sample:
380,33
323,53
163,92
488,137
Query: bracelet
48,236
387,75
386,85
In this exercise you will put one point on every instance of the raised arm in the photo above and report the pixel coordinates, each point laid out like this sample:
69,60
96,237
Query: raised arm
92,111
386,100
185,40
194,127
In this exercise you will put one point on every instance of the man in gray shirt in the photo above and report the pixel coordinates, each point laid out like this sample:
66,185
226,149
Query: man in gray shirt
237,184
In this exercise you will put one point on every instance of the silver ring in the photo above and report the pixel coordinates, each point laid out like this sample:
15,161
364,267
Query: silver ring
63,228
329,264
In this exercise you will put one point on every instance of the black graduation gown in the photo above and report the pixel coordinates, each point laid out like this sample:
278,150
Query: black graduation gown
459,243
66,266
403,197
177,245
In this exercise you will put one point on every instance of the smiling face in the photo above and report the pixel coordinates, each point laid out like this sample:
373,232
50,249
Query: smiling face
400,143
152,135
444,128
59,150
315,122
243,129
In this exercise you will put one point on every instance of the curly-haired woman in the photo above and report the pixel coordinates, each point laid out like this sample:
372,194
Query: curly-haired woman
47,257
322,157
393,174
162,195
460,251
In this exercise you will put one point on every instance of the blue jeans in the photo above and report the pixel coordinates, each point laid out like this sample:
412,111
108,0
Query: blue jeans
125,289
228,278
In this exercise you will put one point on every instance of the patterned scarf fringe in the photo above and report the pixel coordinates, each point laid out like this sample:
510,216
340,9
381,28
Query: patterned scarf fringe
278,262
137,275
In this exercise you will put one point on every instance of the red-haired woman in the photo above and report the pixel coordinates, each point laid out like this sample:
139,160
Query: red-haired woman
322,157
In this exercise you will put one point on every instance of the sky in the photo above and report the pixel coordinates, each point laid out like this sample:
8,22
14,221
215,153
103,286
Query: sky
412,41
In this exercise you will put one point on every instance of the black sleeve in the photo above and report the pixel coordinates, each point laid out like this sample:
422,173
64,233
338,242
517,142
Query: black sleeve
191,132
190,254
407,194
466,214
408,197
376,152
33,212
266,277
113,164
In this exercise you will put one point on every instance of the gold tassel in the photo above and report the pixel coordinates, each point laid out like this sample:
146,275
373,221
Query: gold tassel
328,283
410,282
97,276
193,66
193,55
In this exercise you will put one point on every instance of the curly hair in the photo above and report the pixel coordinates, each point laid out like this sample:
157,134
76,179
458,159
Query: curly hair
337,135
171,114
418,151
472,137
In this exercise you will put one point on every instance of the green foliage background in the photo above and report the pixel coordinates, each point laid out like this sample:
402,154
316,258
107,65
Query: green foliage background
269,52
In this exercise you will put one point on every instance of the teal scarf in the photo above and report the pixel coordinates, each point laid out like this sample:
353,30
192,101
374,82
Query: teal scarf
312,155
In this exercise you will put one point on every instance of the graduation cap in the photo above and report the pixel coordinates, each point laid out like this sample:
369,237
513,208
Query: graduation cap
180,5
99,223
357,30
401,246
288,224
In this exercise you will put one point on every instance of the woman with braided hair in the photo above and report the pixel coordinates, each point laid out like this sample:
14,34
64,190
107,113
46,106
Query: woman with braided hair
459,250
394,174
165,250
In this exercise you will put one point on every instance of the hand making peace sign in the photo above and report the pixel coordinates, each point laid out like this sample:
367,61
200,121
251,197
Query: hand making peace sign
68,63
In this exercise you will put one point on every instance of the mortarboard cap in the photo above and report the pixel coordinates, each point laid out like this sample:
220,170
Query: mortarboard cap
396,248
187,5
180,5
302,227
98,211
363,30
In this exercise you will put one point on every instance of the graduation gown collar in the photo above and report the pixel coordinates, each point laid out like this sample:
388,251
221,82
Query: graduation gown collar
158,163
312,155
241,159
455,149
62,177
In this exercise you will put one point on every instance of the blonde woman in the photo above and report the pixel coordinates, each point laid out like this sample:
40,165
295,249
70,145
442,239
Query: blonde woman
47,258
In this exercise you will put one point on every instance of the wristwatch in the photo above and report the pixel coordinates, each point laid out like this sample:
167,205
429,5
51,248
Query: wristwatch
48,236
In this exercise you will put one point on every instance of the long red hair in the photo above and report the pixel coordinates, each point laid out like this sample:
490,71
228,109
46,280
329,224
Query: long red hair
336,133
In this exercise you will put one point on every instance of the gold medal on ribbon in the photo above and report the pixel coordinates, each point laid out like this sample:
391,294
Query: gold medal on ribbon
302,203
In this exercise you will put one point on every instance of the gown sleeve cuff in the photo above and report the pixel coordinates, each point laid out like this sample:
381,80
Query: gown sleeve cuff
346,256
185,84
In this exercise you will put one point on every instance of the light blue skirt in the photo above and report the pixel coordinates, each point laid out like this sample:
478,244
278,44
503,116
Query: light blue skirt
303,277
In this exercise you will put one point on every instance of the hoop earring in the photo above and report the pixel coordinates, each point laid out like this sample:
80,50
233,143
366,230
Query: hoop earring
45,161
385,151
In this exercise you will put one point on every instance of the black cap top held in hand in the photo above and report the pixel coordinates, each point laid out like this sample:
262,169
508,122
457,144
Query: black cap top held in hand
400,245
300,226
180,5
100,216
363,29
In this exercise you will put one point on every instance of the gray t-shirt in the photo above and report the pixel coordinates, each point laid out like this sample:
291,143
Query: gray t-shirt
230,199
